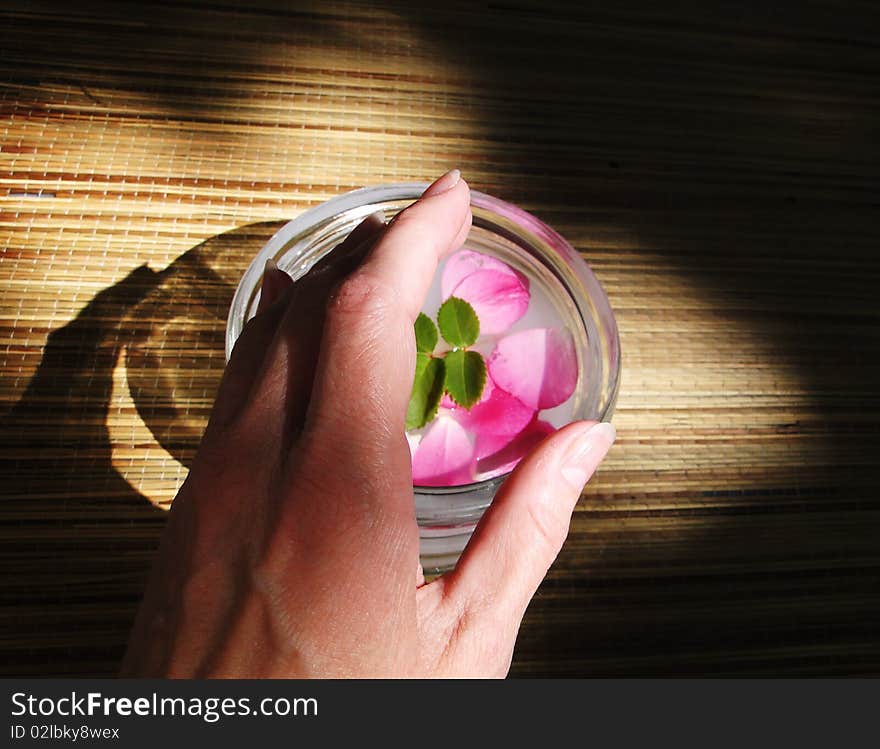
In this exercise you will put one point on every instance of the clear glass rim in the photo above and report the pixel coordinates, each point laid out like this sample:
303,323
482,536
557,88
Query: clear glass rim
361,202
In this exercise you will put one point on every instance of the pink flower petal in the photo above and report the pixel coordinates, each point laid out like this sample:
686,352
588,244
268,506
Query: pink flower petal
495,420
498,298
537,366
445,455
506,459
464,263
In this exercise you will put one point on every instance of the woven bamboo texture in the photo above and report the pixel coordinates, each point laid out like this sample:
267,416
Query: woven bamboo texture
716,165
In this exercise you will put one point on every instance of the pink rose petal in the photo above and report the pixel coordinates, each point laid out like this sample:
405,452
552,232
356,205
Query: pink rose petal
463,263
507,458
445,455
499,299
537,366
447,402
495,420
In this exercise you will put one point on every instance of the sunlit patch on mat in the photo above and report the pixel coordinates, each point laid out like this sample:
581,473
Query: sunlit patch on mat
135,453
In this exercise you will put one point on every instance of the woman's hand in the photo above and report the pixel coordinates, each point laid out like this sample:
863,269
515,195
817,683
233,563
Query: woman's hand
292,548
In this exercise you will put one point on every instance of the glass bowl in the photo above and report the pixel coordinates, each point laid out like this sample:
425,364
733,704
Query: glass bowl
447,515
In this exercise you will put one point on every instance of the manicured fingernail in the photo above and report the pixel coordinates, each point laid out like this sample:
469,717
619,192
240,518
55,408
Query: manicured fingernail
445,183
586,454
273,284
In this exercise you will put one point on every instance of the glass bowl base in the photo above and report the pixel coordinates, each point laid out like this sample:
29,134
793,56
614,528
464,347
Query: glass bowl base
439,550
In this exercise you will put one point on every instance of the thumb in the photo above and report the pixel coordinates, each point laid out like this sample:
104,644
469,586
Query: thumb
523,530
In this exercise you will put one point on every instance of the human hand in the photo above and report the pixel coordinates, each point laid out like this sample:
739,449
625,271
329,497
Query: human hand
292,548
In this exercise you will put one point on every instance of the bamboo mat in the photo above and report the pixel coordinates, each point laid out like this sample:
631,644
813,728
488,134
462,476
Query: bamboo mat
717,167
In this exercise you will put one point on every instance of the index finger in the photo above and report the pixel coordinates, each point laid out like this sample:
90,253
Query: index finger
366,363
417,238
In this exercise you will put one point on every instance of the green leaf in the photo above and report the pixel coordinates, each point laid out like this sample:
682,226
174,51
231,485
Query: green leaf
426,334
426,391
465,377
459,324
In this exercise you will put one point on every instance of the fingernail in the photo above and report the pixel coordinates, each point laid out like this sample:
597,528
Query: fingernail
272,285
586,454
444,184
377,217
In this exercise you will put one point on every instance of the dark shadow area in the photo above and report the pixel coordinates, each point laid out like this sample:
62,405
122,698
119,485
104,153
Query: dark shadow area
189,61
176,353
75,569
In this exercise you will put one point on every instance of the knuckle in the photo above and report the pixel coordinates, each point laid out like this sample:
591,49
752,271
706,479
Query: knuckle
410,222
363,295
549,525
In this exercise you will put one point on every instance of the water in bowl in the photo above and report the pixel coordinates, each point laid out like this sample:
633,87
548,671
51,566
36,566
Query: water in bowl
541,314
